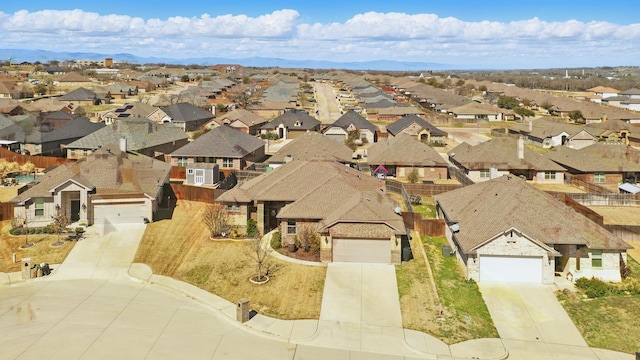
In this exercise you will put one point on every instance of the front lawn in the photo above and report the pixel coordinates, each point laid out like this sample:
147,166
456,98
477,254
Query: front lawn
180,248
464,314
609,322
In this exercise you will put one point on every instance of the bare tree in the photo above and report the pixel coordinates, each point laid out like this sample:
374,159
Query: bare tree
60,223
216,219
308,239
260,255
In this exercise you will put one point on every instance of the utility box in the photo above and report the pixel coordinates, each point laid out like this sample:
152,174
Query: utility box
242,310
26,269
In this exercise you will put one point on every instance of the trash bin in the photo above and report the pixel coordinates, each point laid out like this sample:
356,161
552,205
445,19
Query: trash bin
446,251
406,253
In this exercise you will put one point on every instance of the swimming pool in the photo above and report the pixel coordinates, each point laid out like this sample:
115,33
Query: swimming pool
24,179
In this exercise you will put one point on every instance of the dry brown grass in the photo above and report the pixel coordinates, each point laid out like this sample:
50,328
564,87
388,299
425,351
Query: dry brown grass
41,252
181,248
618,215
8,192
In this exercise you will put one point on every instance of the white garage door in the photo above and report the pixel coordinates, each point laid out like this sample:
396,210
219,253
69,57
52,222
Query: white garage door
362,250
337,137
510,269
126,213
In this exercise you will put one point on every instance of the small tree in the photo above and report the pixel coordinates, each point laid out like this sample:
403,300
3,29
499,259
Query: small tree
216,219
524,112
260,255
351,139
546,105
413,176
60,223
508,102
576,115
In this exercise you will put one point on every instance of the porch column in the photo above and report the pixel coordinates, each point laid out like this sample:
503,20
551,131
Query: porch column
260,218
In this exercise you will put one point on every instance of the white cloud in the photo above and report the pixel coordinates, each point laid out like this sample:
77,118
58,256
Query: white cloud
367,36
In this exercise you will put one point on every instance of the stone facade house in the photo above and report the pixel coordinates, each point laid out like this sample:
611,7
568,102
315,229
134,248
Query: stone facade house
186,116
508,231
403,154
348,122
419,128
312,146
349,211
292,124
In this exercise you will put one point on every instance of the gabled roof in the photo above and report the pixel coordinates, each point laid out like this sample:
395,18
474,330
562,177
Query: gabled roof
599,157
326,191
489,208
109,171
408,120
353,118
293,120
404,150
502,153
313,145
476,109
548,127
630,92
74,129
222,141
185,112
604,89
140,133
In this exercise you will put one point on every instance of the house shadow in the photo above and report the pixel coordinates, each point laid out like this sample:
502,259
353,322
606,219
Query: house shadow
167,205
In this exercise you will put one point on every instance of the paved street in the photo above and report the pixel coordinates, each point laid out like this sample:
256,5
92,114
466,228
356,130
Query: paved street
326,103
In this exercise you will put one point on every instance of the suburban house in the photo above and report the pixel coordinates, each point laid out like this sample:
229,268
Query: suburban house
399,156
186,116
83,97
312,146
292,124
244,120
419,128
602,92
11,133
109,187
502,156
348,122
120,90
603,163
142,135
136,109
474,112
228,147
351,212
508,231
73,79
43,140
549,132
377,112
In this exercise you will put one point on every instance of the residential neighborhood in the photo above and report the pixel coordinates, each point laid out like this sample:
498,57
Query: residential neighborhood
425,187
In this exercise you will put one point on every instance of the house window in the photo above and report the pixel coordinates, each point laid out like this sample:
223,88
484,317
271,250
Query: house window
39,207
550,175
182,161
599,178
596,258
484,173
85,153
73,152
189,171
291,226
227,162
231,207
205,159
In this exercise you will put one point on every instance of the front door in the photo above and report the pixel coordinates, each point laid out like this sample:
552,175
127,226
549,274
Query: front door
75,210
198,178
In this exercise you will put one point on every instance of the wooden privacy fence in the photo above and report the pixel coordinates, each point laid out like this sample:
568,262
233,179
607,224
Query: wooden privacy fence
606,199
590,214
195,193
39,161
430,189
625,232
426,227
6,211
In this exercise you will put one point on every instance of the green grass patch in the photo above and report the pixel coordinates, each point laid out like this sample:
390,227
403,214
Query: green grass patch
611,321
461,298
427,208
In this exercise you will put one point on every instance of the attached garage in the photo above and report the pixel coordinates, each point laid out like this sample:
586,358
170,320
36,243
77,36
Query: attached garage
511,269
362,250
120,213
336,137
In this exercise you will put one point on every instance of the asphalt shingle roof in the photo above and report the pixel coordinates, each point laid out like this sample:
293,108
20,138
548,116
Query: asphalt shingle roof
408,120
222,141
404,150
313,145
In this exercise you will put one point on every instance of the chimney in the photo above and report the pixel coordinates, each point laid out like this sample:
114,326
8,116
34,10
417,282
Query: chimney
123,144
493,172
530,125
521,147
288,158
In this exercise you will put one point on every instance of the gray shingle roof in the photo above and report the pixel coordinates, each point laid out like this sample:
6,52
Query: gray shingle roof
353,118
293,120
79,94
185,112
408,120
489,208
140,133
75,128
222,141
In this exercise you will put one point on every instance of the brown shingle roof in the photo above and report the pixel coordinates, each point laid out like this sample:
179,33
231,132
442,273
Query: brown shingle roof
313,145
599,157
486,209
404,150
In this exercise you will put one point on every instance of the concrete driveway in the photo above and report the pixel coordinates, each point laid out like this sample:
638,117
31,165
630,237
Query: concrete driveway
530,320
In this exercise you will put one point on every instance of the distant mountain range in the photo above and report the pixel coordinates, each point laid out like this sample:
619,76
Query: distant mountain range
21,55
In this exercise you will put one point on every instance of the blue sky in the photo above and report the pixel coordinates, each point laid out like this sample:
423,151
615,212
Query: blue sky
488,34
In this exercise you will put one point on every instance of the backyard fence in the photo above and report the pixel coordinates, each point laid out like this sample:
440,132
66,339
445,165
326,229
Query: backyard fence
611,199
42,162
6,211
625,232
568,200
426,227
196,193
